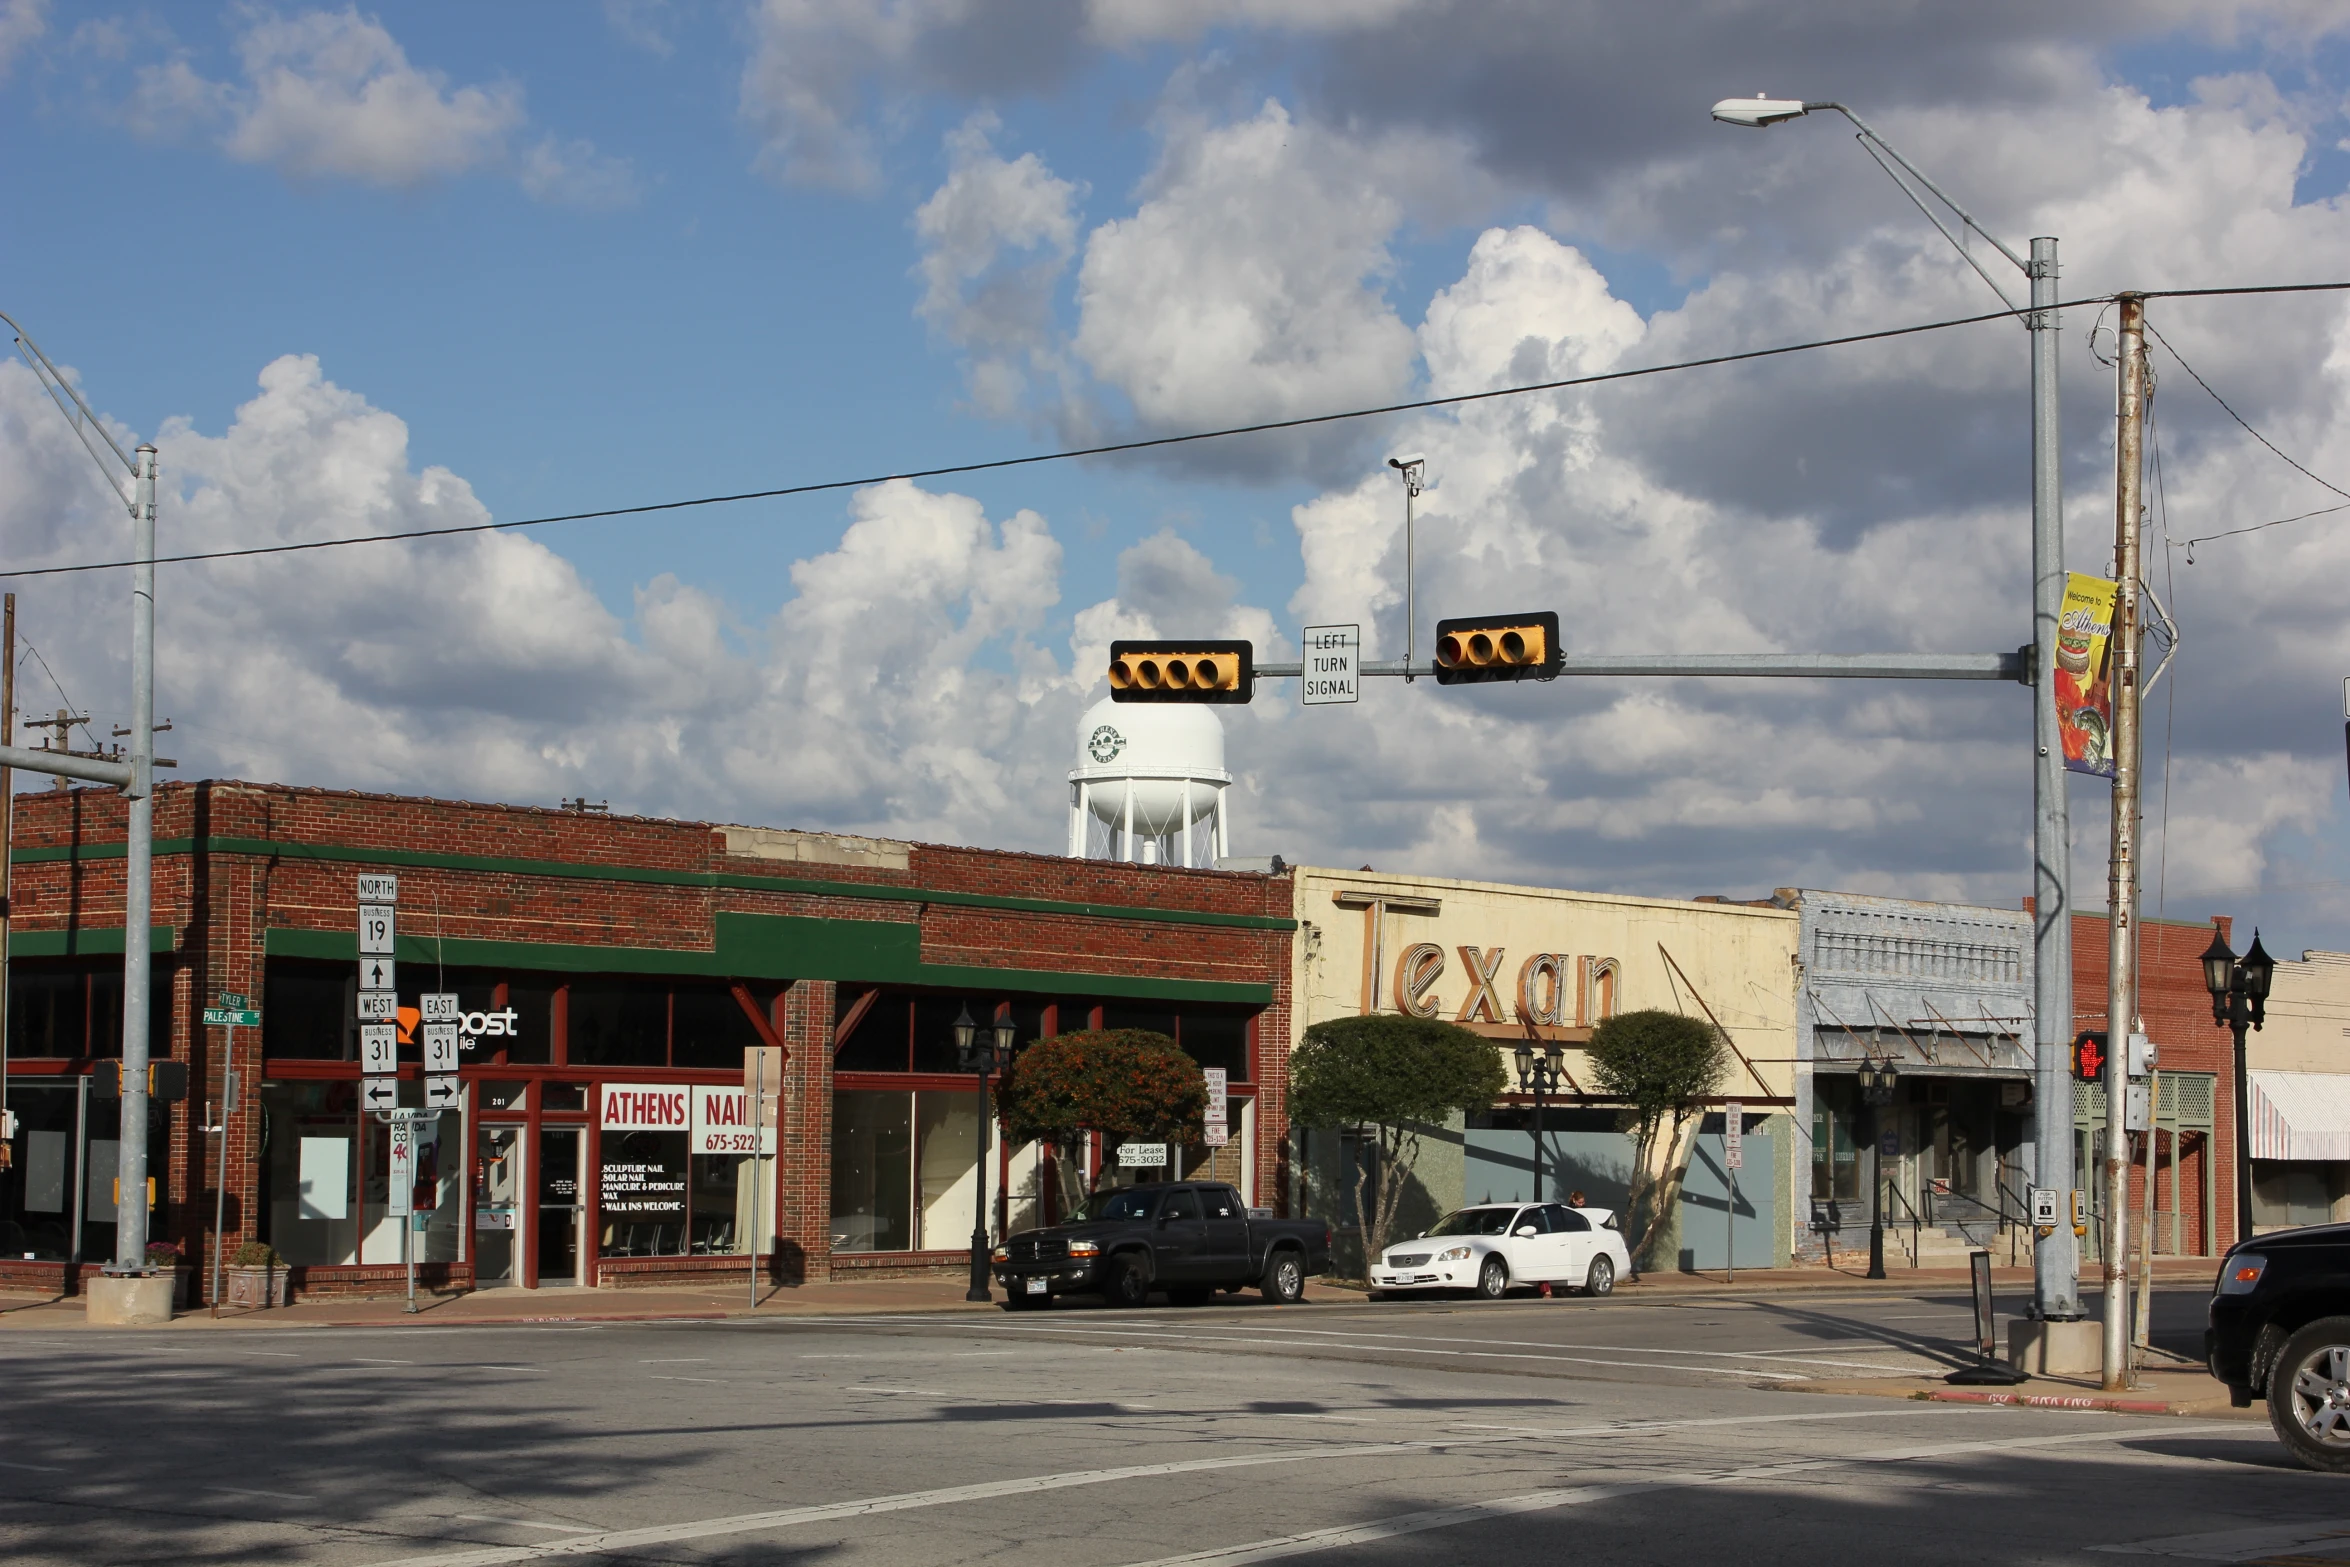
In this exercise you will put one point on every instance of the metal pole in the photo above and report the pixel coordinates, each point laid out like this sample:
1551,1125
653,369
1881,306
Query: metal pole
2142,1325
1882,1193
1539,1072
1730,1229
2121,988
2056,1258
130,1208
2239,1019
1411,622
7,852
228,1096
978,1289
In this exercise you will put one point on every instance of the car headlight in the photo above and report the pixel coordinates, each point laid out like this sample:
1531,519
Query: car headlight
1085,1248
2242,1273
1001,1254
1456,1254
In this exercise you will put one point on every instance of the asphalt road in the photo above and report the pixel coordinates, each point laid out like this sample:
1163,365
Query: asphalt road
1630,1432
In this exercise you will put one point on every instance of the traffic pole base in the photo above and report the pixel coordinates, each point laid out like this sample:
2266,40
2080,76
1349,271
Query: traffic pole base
1987,1373
130,1300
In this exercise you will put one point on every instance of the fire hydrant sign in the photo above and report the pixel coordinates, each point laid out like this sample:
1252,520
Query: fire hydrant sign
1332,664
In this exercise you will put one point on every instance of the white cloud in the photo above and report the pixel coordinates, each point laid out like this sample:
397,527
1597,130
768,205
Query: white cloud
22,24
574,174
804,86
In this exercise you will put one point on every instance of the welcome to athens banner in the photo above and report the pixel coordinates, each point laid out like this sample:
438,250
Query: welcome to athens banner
2084,689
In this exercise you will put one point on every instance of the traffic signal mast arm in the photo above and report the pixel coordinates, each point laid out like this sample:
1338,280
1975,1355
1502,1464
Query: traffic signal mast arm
1801,666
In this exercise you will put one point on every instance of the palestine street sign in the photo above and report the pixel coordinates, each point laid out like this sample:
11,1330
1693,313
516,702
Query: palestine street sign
231,1017
1331,663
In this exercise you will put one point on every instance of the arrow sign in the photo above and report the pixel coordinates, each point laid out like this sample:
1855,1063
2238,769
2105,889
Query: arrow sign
376,974
441,1093
379,1093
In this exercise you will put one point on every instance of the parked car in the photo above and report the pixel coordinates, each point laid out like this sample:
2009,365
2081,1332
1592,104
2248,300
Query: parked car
1187,1238
1494,1247
2279,1328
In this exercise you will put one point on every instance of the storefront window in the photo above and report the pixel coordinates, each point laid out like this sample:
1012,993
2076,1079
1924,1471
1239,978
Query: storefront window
644,1183
1835,1158
903,1032
310,1171
618,1023
72,1008
872,1170
310,1012
37,1191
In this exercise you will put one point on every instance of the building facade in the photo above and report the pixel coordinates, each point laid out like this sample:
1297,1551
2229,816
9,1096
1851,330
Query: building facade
1538,966
610,975
2299,1072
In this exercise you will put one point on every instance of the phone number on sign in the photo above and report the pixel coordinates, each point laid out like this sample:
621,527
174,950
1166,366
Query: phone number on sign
730,1142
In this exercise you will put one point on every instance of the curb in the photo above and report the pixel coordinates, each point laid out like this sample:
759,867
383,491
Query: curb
2118,1406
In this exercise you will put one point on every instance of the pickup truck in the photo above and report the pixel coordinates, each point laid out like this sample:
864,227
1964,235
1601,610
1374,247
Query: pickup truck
1186,1238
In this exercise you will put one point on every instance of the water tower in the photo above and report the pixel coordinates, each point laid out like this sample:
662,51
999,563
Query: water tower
1150,785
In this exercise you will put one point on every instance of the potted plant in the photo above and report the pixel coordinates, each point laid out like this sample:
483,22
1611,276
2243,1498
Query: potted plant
165,1256
256,1277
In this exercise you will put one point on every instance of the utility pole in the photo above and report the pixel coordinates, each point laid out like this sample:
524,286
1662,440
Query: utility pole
1414,469
2121,985
7,861
130,1210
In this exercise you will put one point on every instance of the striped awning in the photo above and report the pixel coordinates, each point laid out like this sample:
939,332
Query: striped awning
2300,1115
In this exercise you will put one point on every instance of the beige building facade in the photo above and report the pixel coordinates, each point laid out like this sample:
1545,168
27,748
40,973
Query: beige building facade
2298,1063
1539,967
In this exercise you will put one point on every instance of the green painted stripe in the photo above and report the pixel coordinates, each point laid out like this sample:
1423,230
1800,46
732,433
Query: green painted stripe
86,941
651,876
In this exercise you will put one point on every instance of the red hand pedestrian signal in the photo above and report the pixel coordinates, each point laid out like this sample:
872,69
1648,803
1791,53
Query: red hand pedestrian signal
2089,1056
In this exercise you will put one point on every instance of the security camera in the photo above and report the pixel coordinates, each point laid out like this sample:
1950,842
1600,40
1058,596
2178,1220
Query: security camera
1406,461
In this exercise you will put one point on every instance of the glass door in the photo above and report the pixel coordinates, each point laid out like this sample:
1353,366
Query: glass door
497,1204
561,1212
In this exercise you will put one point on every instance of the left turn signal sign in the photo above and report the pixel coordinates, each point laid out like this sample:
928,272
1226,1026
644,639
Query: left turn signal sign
1181,671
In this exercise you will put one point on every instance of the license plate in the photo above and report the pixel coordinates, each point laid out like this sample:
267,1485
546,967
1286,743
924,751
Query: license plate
1036,1286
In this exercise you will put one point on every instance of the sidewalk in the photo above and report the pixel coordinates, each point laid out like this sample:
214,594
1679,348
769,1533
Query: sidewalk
884,1296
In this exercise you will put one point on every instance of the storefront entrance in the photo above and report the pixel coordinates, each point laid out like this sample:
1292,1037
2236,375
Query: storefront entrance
562,1215
498,1184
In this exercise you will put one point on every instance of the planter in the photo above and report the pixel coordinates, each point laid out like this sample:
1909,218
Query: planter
253,1289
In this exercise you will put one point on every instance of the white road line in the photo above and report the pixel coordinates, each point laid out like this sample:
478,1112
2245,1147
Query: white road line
1543,1501
714,1381
372,1360
621,1540
1343,1335
524,1523
38,1468
540,1369
680,1360
275,1496
1747,1372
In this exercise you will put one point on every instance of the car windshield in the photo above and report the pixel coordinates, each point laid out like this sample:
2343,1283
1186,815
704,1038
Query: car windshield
1476,1221
1121,1207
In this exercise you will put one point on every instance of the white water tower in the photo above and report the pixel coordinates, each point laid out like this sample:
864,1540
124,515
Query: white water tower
1150,785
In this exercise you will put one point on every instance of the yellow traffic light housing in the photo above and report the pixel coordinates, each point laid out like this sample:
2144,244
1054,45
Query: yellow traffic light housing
1182,671
1478,648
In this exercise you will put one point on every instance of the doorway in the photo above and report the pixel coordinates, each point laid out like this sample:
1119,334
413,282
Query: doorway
497,1204
561,1213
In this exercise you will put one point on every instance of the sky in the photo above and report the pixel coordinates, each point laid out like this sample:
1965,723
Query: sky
365,271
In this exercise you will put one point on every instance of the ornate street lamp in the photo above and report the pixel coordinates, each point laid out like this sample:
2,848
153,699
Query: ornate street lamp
2239,1000
1879,1084
981,1055
1540,1072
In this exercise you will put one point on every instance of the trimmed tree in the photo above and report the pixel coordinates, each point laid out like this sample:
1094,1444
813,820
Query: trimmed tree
1121,1084
1395,1074
1664,1066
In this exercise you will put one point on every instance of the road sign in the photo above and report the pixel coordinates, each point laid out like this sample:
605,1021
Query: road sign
1333,665
2047,1207
375,929
232,998
379,889
231,1017
400,1185
378,1006
1142,1155
1218,1080
1733,1136
379,1093
440,1047
377,974
1216,1135
438,1006
379,1047
442,1093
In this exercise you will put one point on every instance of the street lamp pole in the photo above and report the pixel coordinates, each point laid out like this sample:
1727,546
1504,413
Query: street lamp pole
2056,1262
980,1057
1540,1072
2239,1001
1877,1087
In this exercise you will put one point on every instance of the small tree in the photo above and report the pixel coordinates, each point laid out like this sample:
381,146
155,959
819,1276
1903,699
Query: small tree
1663,1066
1396,1074
1122,1084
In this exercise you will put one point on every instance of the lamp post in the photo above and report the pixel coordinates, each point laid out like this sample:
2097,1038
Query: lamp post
1540,1072
2056,1262
1879,1082
2239,1000
981,1056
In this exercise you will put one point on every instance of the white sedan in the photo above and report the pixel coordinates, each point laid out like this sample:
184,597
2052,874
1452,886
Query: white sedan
1495,1246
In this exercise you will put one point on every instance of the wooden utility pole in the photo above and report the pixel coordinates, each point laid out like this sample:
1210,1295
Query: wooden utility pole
2121,983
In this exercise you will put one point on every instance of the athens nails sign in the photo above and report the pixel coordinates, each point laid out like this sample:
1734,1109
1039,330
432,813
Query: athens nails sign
718,1119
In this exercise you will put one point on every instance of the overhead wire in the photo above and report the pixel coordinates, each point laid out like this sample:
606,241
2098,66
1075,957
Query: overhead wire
2275,450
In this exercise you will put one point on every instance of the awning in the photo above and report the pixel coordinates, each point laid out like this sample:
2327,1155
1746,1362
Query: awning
2300,1115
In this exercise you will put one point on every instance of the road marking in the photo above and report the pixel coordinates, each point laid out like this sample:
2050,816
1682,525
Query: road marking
275,1496
1612,1349
713,1381
2234,1545
524,1523
681,1360
623,1540
38,1468
275,1354
372,1360
540,1369
1576,1496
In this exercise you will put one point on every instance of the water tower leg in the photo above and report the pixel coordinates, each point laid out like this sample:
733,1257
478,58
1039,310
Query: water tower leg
1223,821
1126,840
1187,824
1078,809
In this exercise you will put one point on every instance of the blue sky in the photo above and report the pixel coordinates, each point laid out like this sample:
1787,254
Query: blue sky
603,256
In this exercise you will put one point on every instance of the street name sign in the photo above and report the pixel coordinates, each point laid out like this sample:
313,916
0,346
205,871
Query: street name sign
1333,665
231,1017
232,998
379,1048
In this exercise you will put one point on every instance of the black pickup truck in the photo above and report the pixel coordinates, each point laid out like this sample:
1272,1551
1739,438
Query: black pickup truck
2279,1329
1186,1238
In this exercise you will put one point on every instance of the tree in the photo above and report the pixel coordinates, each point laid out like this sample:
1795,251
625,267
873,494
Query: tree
1664,1066
1396,1074
1121,1084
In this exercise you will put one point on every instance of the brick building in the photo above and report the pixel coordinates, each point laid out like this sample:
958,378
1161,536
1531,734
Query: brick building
593,957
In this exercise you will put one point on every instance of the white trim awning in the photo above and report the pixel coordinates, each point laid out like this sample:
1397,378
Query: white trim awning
2300,1115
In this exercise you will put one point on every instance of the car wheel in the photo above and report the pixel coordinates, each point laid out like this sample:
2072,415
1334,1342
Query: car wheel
1493,1279
1191,1295
1601,1280
2309,1395
1285,1279
1129,1285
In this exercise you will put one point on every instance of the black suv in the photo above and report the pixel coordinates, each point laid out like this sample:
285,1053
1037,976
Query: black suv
2280,1329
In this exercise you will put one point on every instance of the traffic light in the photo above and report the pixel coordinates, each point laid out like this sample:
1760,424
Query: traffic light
1497,647
2089,1056
1182,671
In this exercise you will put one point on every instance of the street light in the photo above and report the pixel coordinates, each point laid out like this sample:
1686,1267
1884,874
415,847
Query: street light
1880,1083
2239,1000
981,1056
2056,1258
1540,1072
1413,467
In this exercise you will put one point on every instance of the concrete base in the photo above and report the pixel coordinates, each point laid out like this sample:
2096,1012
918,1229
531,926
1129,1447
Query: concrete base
2061,1349
123,1302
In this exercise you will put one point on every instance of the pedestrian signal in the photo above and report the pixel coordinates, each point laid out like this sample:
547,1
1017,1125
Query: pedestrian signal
1497,647
2089,1056
1185,671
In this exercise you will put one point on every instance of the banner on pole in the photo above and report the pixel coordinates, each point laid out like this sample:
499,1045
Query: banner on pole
2084,691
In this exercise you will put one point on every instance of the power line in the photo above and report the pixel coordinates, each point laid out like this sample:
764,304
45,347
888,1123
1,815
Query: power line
2278,452
1151,443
